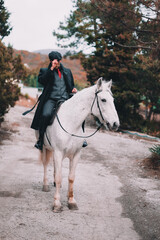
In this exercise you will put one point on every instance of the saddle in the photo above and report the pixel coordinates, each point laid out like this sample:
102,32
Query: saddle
56,109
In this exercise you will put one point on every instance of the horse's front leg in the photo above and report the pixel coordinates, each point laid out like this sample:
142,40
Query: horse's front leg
45,156
72,168
57,207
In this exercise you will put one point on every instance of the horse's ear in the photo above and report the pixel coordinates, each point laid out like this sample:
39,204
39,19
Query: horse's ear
99,83
110,84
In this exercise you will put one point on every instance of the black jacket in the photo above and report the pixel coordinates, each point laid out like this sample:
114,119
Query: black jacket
46,78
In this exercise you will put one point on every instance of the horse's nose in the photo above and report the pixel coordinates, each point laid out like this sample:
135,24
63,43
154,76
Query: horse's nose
115,126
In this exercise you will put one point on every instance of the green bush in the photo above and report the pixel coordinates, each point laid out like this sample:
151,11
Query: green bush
26,96
155,157
155,150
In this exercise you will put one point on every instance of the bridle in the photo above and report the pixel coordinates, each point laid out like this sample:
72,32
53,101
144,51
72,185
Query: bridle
96,97
101,124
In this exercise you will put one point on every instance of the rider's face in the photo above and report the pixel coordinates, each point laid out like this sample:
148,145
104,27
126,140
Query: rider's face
56,63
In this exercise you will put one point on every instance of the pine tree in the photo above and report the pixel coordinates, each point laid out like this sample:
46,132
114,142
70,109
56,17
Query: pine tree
107,59
19,70
119,33
5,28
9,90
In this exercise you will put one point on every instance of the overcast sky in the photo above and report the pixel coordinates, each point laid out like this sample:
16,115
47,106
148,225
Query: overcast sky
33,22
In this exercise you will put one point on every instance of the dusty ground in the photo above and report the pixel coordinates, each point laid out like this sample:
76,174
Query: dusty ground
118,198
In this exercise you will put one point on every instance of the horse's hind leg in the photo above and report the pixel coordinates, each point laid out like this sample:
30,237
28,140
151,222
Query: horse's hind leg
46,154
71,200
54,173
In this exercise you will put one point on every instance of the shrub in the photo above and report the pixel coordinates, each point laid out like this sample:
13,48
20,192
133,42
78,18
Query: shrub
26,96
155,157
155,150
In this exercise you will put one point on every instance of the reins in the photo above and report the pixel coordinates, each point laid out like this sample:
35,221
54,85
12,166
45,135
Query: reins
74,135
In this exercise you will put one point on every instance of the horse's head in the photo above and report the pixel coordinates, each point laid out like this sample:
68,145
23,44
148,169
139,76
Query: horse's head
104,107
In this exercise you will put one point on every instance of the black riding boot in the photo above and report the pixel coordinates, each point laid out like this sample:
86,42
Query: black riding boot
39,143
47,114
42,129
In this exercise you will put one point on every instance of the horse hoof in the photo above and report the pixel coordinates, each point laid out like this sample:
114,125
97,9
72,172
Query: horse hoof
72,206
45,188
57,209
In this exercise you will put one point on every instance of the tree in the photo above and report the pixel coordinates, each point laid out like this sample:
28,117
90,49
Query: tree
107,59
19,70
141,19
5,28
9,91
148,73
85,25
117,32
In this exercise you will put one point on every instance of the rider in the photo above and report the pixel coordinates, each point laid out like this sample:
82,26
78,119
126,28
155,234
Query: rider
58,85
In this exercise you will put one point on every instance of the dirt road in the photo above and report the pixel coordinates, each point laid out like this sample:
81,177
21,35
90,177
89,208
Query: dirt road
117,200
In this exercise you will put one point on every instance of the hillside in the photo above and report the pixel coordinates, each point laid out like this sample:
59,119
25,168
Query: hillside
30,58
47,51
36,60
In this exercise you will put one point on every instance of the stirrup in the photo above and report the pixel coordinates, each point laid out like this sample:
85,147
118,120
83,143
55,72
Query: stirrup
85,144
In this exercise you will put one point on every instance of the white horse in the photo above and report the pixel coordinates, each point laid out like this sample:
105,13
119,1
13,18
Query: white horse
97,100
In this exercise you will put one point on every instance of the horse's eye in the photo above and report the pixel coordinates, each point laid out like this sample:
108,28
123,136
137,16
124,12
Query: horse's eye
103,100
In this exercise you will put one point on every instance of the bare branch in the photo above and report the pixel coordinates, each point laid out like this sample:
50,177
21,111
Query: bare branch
138,46
138,30
145,43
